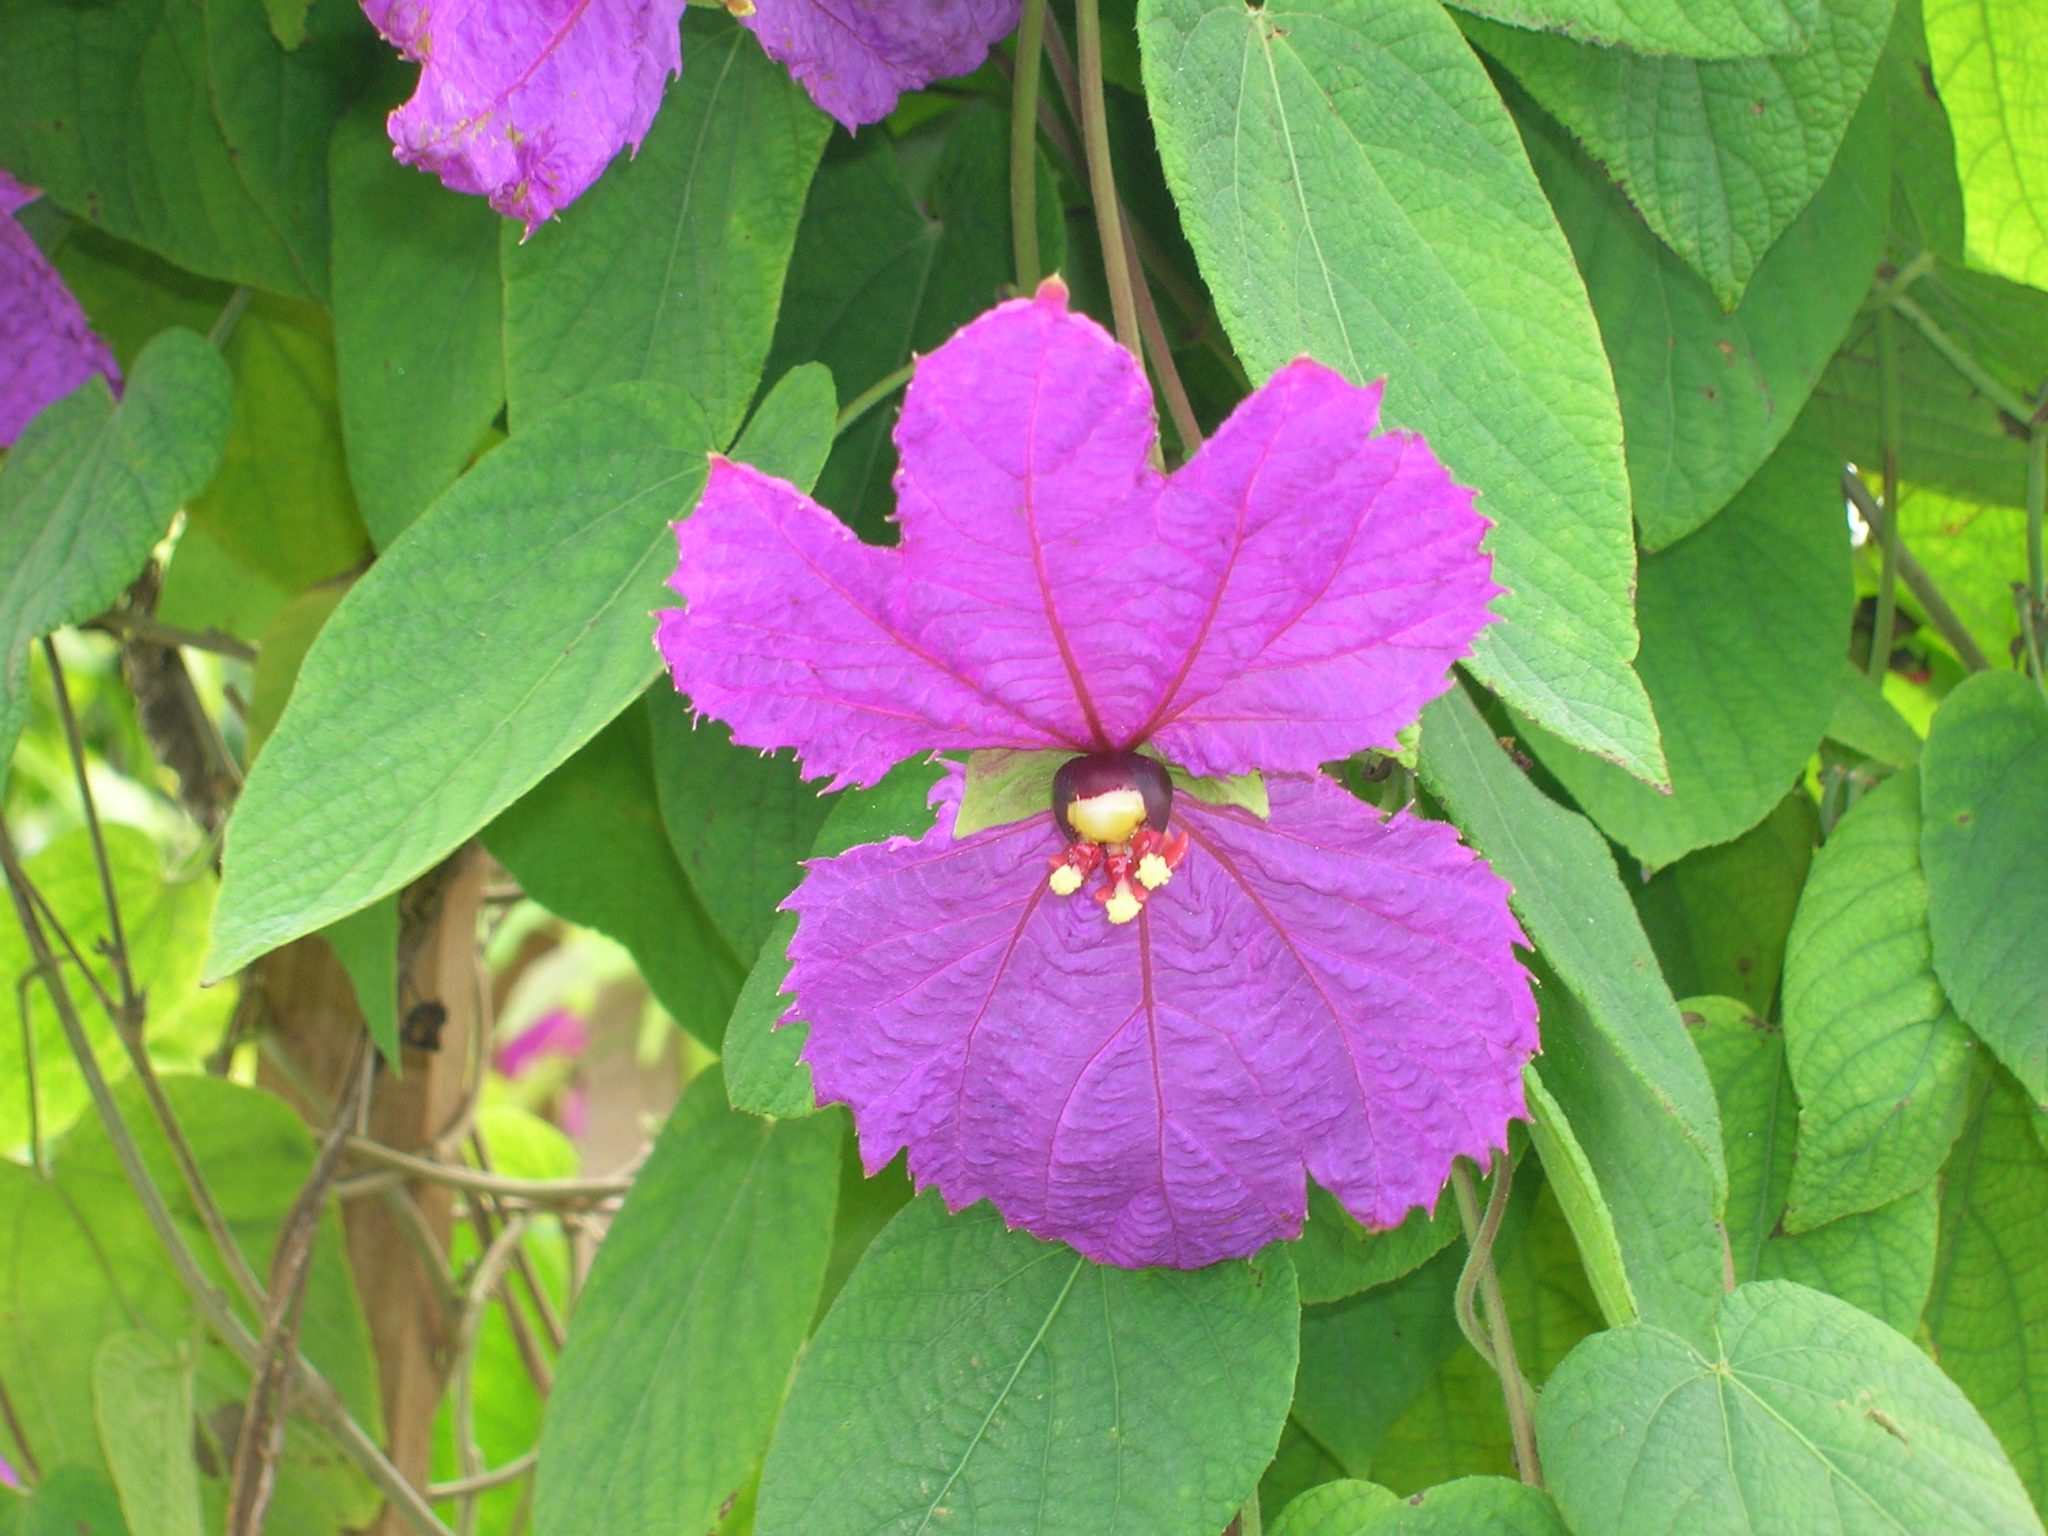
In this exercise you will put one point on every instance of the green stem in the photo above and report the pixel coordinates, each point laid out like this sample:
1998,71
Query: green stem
1888,430
230,317
1024,144
871,397
1250,1522
1496,1341
1939,613
1116,261
2007,400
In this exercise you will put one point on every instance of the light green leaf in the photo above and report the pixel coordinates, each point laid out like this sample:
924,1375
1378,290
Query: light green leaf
89,488
763,1073
1990,62
672,268
1879,1060
287,21
1719,917
142,1395
1005,785
1744,623
1332,166
1972,551
1570,1175
1881,1260
1570,899
1714,29
1865,721
366,944
72,1501
976,1375
1470,1506
183,128
1719,155
1335,1509
418,324
1984,824
790,433
684,1338
1927,197
587,843
501,632
1803,1414
1706,396
1988,1311
282,503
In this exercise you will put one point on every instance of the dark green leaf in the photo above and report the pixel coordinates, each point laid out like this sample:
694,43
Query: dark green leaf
1714,29
974,1375
418,324
504,630
1879,1060
1333,167
366,944
672,268
1865,721
692,1318
88,489
1984,824
72,1502
1744,626
1803,1414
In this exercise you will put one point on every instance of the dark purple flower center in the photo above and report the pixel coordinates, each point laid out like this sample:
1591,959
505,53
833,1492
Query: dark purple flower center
1113,809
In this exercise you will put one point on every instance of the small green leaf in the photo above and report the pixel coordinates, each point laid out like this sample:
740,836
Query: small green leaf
1865,721
1801,1414
672,269
501,632
142,1394
72,1501
693,1315
972,1373
366,944
1700,29
1343,1508
1331,165
1880,1061
790,433
1335,1257
1470,1506
418,323
89,488
1571,1176
1006,785
1990,62
1720,155
1245,791
1984,824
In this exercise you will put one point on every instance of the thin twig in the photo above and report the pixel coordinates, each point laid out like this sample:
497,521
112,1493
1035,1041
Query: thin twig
2034,614
1944,618
317,1395
1499,1348
1024,144
29,1079
1160,352
490,1271
1102,174
120,621
22,1448
259,1443
542,1192
484,1482
538,1371
543,1305
869,398
1959,358
1888,435
426,1246
130,1014
230,316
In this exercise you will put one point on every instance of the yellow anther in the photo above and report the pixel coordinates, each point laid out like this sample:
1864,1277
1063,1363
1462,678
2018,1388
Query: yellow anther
1123,903
1153,872
1108,818
1065,880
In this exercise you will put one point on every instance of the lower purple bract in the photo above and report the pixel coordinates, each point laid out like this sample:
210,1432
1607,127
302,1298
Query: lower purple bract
50,348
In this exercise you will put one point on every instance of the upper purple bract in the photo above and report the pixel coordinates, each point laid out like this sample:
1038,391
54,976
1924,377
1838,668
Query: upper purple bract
1315,992
527,101
50,348
856,57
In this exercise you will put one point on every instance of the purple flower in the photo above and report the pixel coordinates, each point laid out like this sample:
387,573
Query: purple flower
856,57
528,100
557,1035
1146,1074
50,348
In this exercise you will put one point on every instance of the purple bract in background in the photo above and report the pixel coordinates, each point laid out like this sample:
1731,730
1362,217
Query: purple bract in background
856,57
50,348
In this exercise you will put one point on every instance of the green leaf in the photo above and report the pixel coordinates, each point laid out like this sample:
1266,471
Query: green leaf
1990,62
89,488
1971,551
1332,166
1719,917
72,1501
142,1394
1335,1257
1744,623
1880,1062
501,632
1864,720
418,324
131,294
972,1373
1569,1174
1006,785
1700,29
1471,1506
1927,197
1984,810
366,944
1706,396
693,1315
1334,1509
1881,1260
287,21
587,843
163,919
790,433
1571,901
763,1072
282,503
1988,1311
1804,1414
281,648
672,268
181,127
1720,156
875,277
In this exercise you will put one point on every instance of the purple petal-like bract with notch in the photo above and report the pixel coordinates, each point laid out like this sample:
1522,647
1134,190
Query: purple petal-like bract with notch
1323,992
527,101
50,347
856,57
